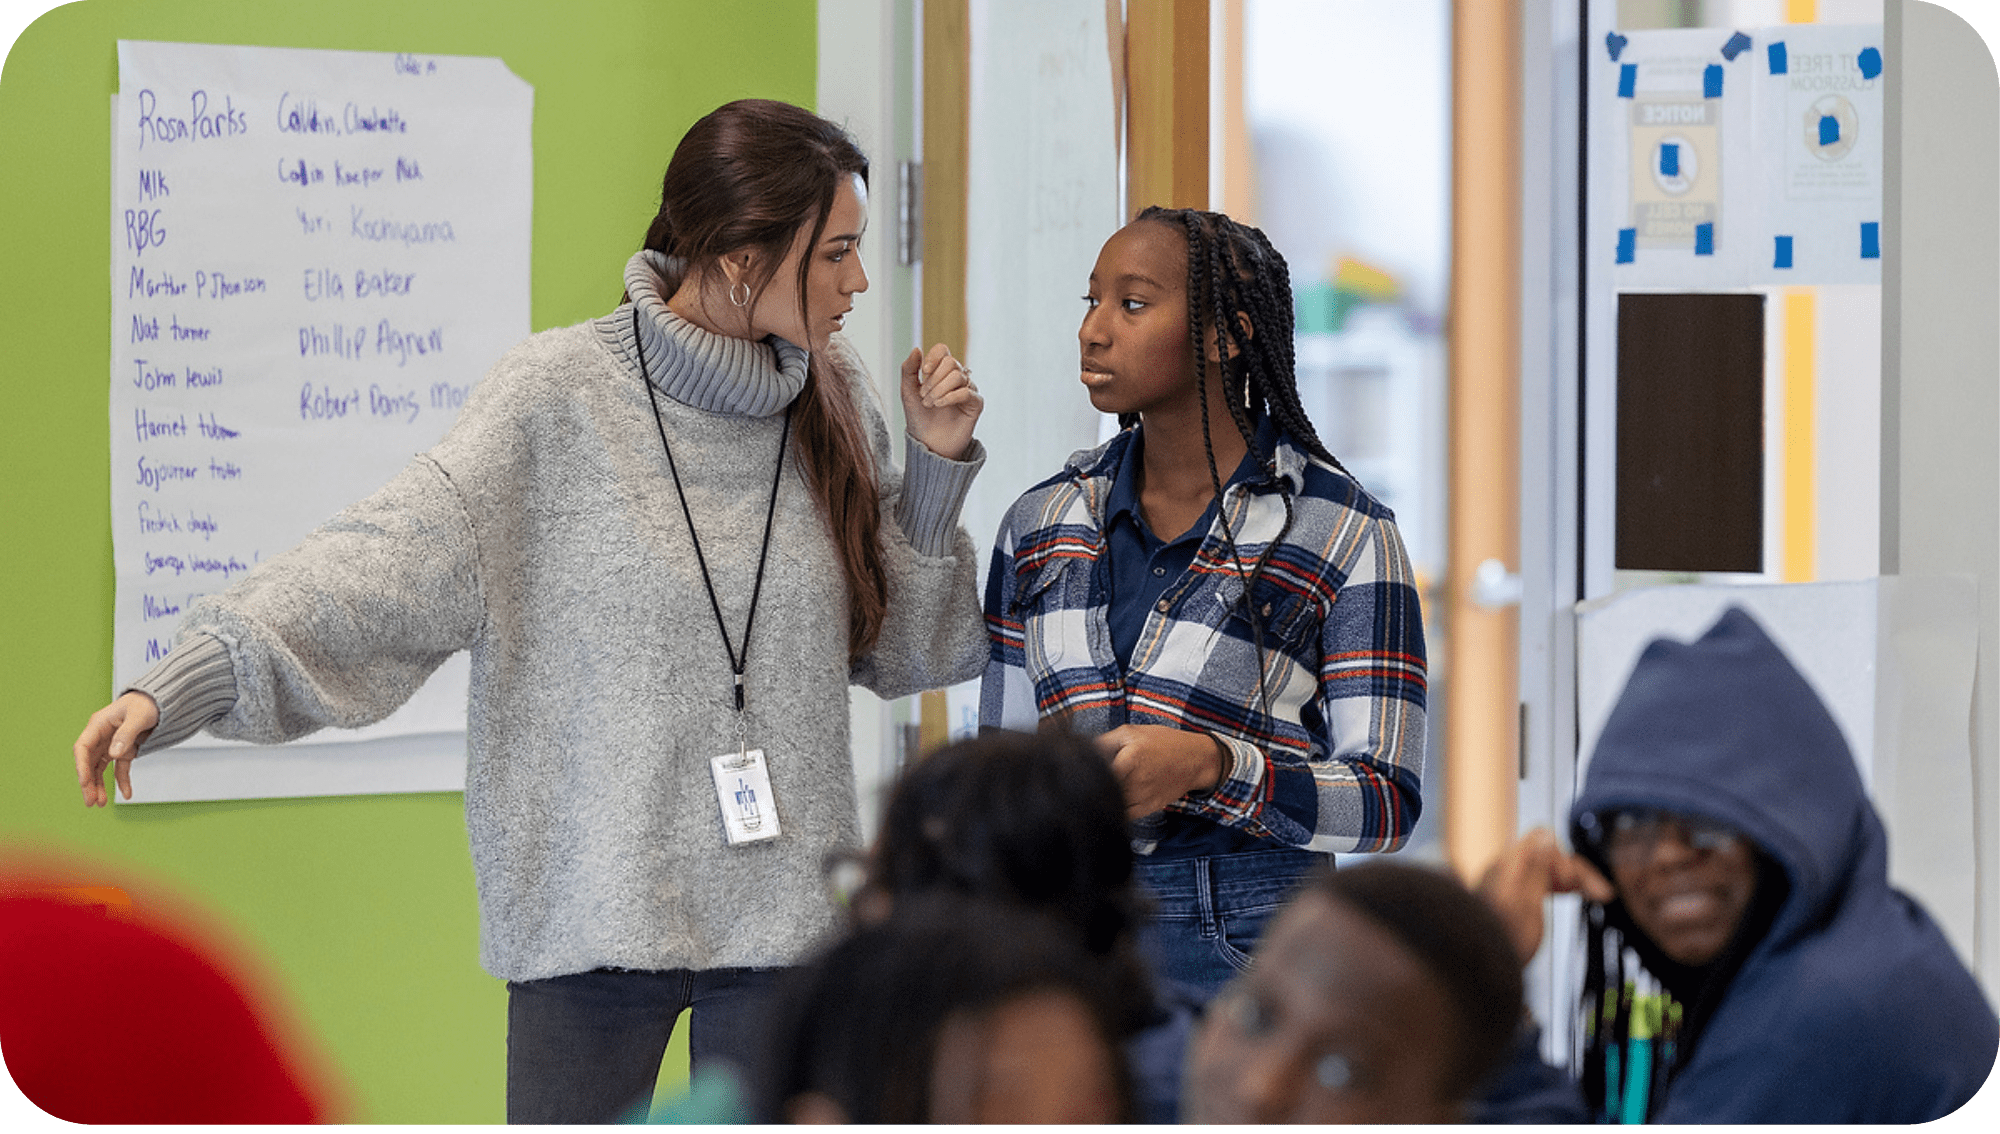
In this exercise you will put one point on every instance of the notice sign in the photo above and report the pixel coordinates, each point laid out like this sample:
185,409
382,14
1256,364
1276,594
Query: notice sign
315,256
1676,174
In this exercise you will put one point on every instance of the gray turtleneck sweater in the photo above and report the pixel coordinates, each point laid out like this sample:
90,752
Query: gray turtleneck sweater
543,534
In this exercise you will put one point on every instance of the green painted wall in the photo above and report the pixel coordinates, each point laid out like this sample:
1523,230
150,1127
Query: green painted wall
362,908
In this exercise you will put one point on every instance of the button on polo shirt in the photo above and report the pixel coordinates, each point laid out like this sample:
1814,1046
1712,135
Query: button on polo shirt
1142,566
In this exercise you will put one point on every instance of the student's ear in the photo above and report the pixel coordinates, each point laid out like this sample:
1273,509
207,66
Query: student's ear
1228,348
814,1109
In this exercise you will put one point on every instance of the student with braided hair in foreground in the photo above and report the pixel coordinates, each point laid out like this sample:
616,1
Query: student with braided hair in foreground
1213,598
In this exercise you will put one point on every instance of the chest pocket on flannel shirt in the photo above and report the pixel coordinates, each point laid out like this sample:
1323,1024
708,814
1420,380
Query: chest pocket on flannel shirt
1290,621
1052,600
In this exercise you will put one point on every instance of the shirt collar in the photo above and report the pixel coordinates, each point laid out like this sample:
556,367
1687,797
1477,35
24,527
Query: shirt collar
1121,463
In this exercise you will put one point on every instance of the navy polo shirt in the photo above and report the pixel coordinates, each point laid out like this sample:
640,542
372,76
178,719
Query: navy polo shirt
1142,565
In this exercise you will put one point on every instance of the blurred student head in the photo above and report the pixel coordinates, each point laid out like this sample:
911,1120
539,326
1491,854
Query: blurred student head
1037,820
1381,993
948,1010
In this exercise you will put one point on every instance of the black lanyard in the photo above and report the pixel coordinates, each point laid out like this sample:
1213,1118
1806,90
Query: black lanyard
736,661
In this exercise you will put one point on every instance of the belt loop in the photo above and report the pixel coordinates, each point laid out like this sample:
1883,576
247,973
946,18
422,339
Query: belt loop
1204,889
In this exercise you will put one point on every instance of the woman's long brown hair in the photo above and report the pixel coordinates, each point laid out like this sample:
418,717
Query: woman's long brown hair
748,176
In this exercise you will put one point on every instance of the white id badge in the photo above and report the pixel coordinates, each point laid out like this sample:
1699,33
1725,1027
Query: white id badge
743,788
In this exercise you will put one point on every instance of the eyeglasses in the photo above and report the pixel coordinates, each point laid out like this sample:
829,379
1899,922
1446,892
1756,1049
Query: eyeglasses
1631,835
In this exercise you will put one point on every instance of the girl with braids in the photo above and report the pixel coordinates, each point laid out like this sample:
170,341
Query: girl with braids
1212,597
670,537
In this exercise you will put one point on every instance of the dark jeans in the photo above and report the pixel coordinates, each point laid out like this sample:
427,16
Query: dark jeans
587,1047
1210,912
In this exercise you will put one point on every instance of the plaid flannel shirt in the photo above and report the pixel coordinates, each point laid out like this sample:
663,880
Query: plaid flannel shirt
1335,763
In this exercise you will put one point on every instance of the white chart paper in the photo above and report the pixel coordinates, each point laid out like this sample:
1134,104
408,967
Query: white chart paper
315,256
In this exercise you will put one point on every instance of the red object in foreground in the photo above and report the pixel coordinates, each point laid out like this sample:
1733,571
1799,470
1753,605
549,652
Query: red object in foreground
113,1018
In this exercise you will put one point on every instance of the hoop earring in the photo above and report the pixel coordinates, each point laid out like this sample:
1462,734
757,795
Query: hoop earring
743,302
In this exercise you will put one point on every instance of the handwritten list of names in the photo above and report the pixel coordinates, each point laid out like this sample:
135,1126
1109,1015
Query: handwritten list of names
315,256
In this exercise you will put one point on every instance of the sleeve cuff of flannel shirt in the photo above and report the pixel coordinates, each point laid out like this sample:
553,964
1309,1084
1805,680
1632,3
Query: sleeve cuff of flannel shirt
1243,779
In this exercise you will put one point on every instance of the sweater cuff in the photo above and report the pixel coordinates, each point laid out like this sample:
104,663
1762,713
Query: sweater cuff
934,490
193,687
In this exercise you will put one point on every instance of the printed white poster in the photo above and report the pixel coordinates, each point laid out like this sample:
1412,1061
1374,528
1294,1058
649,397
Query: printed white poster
1678,114
1820,127
1742,157
315,256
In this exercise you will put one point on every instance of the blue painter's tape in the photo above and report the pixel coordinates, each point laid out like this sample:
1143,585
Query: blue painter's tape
1628,239
1670,159
1704,239
1776,53
1628,77
1782,255
1871,240
1870,62
1737,45
1711,81
1829,129
1615,44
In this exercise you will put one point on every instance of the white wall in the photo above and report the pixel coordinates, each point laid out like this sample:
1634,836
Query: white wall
1941,359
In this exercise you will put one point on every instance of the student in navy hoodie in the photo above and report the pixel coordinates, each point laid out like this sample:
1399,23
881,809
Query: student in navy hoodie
1750,961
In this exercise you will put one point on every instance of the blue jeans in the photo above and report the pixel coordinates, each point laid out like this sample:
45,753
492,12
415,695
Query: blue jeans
586,1048
1209,912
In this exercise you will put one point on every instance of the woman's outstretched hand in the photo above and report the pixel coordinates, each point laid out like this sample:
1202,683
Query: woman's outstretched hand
113,737
940,403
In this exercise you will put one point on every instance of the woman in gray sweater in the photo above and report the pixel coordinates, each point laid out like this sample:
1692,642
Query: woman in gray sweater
670,537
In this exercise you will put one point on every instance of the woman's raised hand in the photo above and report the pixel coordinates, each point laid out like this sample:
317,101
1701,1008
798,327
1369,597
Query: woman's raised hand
940,403
113,736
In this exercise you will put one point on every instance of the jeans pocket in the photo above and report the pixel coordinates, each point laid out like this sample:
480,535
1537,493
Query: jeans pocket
1238,934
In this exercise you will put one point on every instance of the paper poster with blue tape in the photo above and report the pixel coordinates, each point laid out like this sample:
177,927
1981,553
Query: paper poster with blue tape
1678,117
1819,127
1676,172
1723,140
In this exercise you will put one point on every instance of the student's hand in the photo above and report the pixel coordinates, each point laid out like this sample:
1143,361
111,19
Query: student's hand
1157,765
113,736
1528,872
940,403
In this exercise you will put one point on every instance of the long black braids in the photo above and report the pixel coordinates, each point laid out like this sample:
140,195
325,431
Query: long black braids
1233,269
1234,275
1635,996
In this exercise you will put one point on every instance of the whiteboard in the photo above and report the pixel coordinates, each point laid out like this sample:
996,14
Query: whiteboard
315,256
